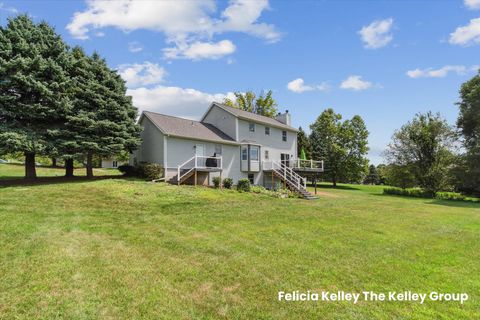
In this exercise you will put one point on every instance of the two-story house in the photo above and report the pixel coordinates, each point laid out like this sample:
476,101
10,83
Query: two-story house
226,142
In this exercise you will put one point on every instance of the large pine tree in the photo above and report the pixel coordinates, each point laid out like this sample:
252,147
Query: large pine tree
33,88
102,121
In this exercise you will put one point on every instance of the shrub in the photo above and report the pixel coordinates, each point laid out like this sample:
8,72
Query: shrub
216,182
228,183
258,189
409,192
127,170
149,171
450,196
243,185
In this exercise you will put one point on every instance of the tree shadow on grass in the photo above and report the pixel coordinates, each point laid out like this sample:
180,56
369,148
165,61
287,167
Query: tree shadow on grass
456,204
448,203
14,182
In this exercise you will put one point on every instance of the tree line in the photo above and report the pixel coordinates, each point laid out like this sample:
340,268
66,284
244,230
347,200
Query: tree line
429,153
59,102
425,153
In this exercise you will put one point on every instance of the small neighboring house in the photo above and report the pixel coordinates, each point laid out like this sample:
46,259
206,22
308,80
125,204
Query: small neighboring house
226,142
111,163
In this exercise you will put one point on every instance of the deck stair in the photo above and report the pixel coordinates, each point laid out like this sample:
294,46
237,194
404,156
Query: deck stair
292,180
196,164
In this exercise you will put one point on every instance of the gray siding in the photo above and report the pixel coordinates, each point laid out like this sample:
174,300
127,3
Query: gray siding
180,150
223,120
151,149
273,142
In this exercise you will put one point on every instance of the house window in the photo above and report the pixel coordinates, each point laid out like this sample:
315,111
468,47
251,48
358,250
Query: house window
267,131
251,178
244,153
114,164
266,155
284,135
254,154
251,127
218,150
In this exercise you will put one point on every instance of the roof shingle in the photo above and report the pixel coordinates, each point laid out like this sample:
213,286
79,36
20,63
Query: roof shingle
187,128
254,117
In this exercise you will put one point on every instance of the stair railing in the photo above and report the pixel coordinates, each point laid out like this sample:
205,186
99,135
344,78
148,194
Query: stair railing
290,176
193,161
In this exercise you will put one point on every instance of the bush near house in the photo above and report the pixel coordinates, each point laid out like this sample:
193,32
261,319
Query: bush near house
228,183
243,185
127,170
149,171
216,182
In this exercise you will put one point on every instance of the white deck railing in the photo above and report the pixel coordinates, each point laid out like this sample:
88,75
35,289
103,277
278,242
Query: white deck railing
287,173
304,164
198,162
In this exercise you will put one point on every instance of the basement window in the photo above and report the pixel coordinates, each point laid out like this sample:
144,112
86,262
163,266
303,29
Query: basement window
251,178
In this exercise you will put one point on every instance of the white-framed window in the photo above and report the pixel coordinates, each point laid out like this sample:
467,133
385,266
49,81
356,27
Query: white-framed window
267,131
244,153
253,153
284,135
251,127
114,163
218,149
267,156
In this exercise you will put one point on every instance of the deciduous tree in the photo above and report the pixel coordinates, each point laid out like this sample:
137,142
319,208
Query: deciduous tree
264,104
342,145
424,147
469,124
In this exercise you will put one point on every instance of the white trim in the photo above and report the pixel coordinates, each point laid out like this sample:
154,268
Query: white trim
165,152
237,135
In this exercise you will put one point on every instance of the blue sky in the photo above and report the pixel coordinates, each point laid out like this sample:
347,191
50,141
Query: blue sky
383,60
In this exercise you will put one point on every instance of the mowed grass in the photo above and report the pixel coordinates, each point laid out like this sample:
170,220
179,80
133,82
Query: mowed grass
128,249
17,171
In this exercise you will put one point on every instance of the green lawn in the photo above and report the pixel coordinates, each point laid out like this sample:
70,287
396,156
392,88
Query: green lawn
17,171
125,249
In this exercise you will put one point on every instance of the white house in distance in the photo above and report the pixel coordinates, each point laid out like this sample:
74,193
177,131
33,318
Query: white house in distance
226,142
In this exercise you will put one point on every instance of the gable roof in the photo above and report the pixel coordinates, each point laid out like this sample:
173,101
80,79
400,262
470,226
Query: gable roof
184,128
250,116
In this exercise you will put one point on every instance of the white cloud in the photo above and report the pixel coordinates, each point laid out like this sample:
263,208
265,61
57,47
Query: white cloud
135,47
466,35
242,16
472,4
441,72
143,74
200,50
299,86
181,102
355,83
184,22
7,9
377,34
